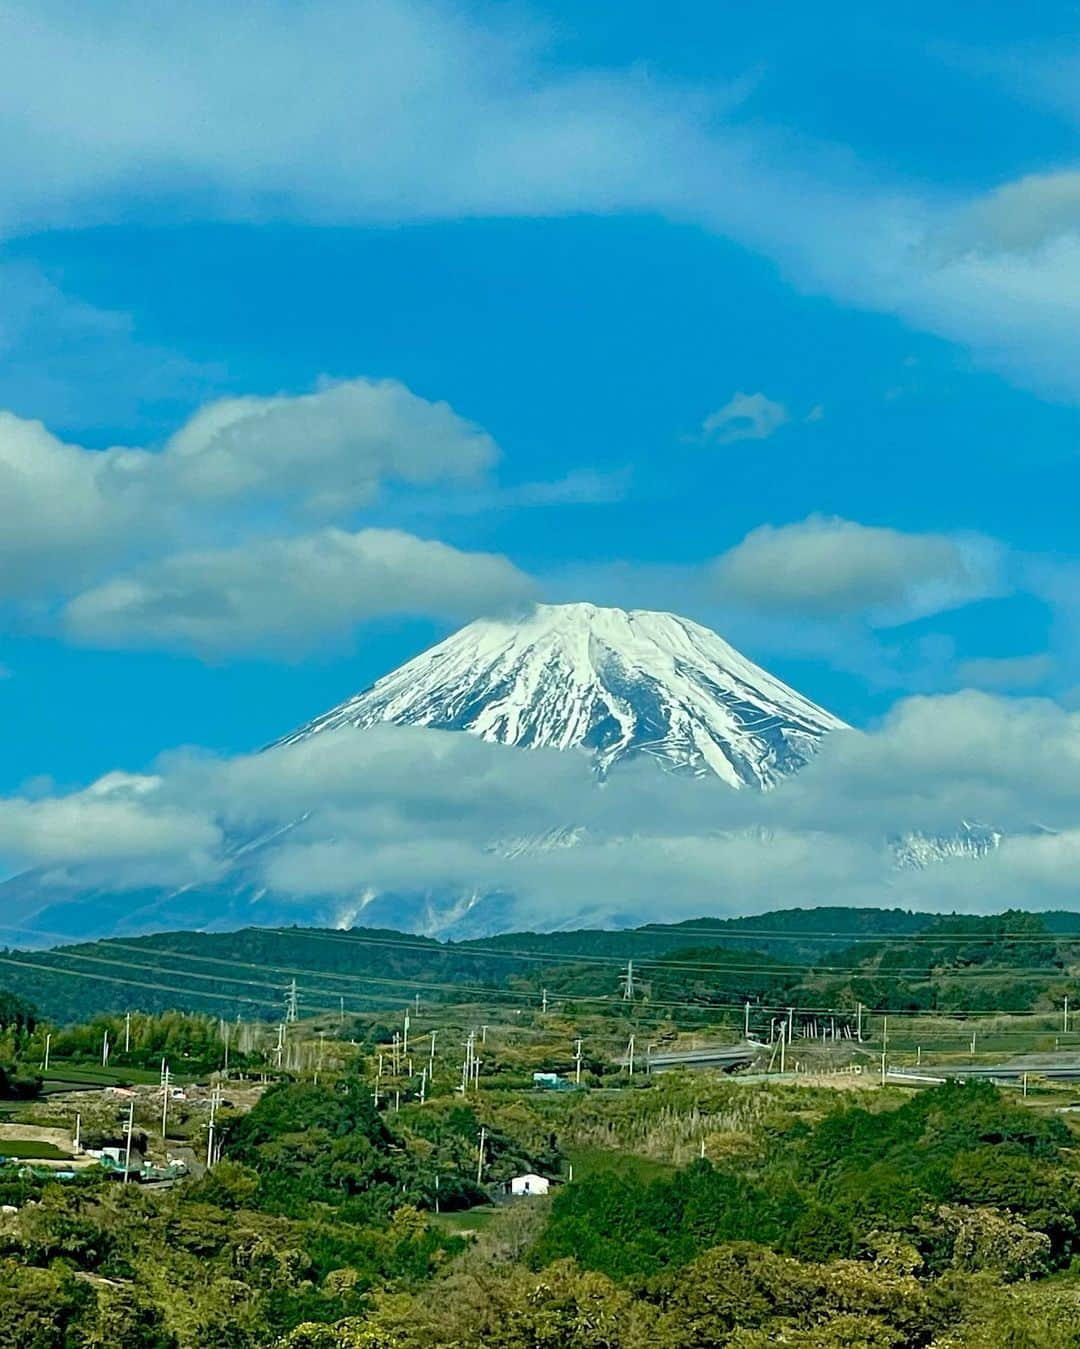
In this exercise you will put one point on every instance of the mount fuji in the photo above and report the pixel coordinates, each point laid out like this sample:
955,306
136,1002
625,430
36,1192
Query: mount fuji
619,684
613,684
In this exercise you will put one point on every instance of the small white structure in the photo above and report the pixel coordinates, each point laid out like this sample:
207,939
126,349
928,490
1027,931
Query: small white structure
529,1184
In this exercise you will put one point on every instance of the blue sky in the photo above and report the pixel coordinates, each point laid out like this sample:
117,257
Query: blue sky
767,317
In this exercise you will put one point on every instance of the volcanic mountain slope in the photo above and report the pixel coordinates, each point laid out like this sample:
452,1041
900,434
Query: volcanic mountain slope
610,683
617,683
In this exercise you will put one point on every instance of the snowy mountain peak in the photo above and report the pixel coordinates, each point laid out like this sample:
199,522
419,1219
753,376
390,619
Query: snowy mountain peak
618,683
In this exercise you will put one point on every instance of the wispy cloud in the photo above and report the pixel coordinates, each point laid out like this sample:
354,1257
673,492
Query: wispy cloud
746,416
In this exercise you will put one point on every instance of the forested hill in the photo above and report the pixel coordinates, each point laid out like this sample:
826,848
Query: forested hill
819,957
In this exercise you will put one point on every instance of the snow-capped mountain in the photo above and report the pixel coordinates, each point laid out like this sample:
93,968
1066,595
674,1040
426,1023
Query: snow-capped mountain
919,851
614,682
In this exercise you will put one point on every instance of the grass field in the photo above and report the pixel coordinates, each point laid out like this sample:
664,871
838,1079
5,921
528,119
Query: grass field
593,1161
27,1148
470,1220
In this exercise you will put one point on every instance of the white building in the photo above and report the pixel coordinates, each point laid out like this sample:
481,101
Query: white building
529,1184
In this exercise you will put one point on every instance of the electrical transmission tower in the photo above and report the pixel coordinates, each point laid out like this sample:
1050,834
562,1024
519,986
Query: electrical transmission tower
291,1007
626,982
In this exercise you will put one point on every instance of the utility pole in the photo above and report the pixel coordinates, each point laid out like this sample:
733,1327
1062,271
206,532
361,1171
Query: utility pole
423,1084
1065,1023
630,1055
577,1064
127,1032
790,1022
225,1039
341,1013
48,1044
279,1052
884,1070
480,1157
164,1098
858,1022
746,1021
483,1035
78,1134
127,1149
405,1037
417,1004
783,1047
292,1003
627,982
210,1130
105,1050
544,1001
431,1059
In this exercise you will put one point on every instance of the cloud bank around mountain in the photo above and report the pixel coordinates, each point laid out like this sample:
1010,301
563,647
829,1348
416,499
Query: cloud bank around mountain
414,812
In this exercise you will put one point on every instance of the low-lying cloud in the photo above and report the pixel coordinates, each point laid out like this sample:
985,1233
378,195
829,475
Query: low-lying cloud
444,815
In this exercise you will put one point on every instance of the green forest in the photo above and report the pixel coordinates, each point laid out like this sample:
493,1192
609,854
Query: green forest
816,957
946,1217
327,1170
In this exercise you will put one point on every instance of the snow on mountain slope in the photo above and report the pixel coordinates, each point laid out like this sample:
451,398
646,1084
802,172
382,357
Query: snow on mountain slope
614,682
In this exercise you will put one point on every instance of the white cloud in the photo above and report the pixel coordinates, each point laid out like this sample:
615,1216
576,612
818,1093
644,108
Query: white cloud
66,512
63,511
827,567
326,452
747,416
408,811
117,822
284,595
392,110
